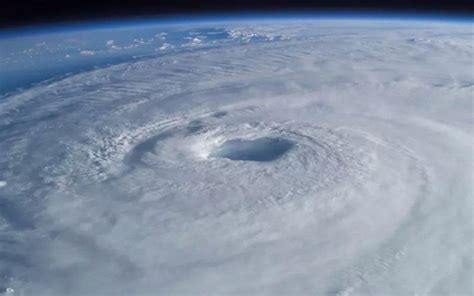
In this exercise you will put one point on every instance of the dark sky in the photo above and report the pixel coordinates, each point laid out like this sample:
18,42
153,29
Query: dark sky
22,12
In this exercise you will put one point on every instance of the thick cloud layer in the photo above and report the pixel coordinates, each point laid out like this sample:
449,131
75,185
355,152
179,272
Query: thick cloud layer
335,159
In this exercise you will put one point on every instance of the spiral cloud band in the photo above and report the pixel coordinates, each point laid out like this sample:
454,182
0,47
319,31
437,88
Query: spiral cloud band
326,159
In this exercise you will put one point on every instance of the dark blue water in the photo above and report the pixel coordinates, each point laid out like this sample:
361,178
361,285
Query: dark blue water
20,70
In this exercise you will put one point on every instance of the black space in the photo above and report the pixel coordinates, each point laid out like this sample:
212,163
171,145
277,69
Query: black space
21,12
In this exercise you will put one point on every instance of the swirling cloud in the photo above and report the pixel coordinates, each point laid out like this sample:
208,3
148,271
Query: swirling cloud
334,161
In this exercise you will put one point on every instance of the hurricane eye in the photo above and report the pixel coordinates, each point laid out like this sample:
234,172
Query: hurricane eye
261,149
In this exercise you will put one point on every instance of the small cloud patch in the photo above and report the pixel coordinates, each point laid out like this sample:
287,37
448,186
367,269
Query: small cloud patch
87,52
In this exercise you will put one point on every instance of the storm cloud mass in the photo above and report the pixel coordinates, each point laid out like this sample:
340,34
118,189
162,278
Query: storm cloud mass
297,158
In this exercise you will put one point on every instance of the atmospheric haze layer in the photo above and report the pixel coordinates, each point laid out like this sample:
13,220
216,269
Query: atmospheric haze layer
318,157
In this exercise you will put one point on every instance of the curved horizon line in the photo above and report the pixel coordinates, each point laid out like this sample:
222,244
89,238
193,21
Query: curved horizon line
236,17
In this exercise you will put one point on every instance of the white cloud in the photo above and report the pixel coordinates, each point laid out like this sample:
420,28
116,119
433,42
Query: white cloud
111,45
165,46
87,52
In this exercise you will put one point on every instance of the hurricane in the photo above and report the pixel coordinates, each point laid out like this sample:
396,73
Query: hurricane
287,158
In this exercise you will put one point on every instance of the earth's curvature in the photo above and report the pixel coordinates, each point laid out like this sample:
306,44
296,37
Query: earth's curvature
286,157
